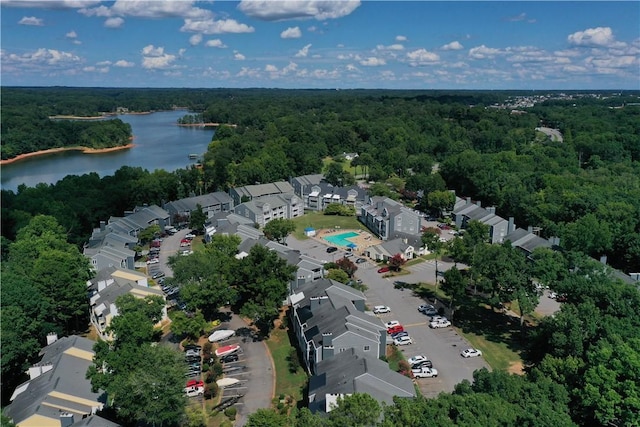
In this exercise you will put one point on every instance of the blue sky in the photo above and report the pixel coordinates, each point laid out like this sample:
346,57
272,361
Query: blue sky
322,44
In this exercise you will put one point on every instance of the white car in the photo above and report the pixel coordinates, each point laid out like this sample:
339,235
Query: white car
471,352
153,261
427,309
190,236
406,340
381,309
417,359
391,324
425,372
194,391
440,324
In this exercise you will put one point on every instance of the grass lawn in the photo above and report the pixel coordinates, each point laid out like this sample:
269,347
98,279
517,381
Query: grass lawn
287,383
319,221
498,335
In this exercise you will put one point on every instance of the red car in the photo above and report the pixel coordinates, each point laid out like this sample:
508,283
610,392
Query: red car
383,270
195,383
395,329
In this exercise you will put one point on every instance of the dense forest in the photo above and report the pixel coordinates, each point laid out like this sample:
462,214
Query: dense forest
583,364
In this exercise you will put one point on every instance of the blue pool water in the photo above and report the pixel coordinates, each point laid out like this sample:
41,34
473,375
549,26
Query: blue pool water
341,239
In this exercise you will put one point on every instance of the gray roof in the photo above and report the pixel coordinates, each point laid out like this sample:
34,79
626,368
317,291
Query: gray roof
326,318
190,204
70,357
349,372
305,180
526,240
264,189
95,421
338,293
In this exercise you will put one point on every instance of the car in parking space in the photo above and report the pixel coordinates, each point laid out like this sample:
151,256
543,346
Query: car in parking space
440,324
158,275
331,249
229,358
425,373
427,309
406,340
470,352
381,309
194,391
399,334
192,352
153,261
395,329
391,323
189,236
348,255
193,359
425,364
383,270
417,359
361,260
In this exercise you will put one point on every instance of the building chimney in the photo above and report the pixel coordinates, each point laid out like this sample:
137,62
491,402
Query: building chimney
327,345
530,229
468,200
511,226
51,338
491,209
603,259
66,419
314,303
479,203
35,371
103,225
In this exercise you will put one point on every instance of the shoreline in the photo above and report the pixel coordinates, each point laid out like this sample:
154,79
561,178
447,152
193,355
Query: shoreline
205,125
84,150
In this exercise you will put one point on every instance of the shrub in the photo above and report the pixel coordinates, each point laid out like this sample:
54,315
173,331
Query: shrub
207,350
231,412
294,361
210,390
217,369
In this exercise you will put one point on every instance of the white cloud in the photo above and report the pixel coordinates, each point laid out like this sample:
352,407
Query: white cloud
291,33
114,22
396,46
372,62
352,68
600,36
123,64
34,61
209,26
103,63
51,4
320,10
71,35
401,38
455,45
271,68
422,57
149,9
215,43
613,62
92,69
303,52
31,20
482,52
238,56
155,58
520,17
195,39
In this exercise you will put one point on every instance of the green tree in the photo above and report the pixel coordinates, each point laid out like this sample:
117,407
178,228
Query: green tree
440,201
334,173
356,410
190,326
149,233
454,285
337,274
266,418
431,239
278,229
197,218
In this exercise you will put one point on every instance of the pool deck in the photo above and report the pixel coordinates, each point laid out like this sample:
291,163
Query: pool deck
364,239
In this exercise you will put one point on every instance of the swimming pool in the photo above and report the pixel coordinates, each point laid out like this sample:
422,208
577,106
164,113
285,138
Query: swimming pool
341,239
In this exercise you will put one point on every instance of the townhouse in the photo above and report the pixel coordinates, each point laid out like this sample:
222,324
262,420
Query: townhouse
267,208
211,204
385,217
316,194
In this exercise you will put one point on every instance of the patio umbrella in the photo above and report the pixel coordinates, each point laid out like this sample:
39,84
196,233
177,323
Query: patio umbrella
352,245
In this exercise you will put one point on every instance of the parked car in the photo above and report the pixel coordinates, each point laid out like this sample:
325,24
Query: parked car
399,334
229,358
192,352
158,275
383,270
425,373
417,359
471,352
331,249
425,364
406,340
423,308
190,236
153,261
194,391
193,359
361,260
440,324
381,309
395,329
195,383
348,255
391,323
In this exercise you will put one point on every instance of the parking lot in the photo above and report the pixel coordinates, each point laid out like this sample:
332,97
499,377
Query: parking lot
442,346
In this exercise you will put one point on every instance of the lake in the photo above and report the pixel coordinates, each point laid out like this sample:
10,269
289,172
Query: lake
159,144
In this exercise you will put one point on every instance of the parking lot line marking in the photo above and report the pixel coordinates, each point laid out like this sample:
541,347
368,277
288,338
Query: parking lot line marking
416,324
